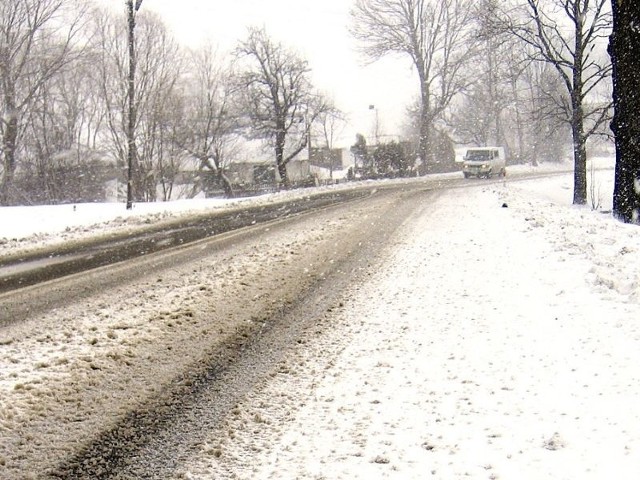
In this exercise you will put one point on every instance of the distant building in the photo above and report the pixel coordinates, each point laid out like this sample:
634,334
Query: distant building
326,164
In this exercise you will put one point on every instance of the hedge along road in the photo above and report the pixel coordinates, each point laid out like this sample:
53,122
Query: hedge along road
146,355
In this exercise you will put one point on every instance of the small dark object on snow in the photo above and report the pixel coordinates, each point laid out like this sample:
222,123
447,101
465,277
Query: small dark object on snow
504,205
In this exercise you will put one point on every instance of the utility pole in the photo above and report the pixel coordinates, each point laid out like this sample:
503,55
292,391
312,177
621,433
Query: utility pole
131,141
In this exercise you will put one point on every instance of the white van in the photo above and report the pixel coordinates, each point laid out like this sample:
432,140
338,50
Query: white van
483,162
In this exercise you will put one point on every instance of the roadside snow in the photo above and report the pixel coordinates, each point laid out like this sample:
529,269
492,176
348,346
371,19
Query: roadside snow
493,342
29,227
498,339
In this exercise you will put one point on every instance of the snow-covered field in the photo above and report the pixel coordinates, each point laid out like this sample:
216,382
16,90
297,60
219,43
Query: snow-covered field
499,338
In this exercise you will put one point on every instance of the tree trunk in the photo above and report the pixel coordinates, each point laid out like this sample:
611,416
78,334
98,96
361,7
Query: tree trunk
282,167
284,176
577,116
519,127
226,183
9,160
133,180
579,148
624,49
424,141
580,165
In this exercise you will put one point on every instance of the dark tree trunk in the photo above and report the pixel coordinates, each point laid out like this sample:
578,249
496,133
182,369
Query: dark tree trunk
424,140
280,163
577,120
9,160
284,176
624,49
226,184
579,156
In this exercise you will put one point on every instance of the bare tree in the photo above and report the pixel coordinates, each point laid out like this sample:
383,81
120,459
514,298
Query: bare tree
60,156
439,38
549,131
567,34
481,118
624,47
278,96
474,121
209,134
158,64
517,64
170,162
36,40
328,124
110,49
494,46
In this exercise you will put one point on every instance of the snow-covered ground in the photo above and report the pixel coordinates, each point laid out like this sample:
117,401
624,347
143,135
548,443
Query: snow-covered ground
499,338
494,342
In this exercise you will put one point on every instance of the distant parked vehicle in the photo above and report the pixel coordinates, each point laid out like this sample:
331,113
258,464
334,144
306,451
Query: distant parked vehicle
484,162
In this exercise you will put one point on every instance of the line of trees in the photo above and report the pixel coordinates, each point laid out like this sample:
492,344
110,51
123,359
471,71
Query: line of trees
533,75
64,70
537,66
32,53
437,36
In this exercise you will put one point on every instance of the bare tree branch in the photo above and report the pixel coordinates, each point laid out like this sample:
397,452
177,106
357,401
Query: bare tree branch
37,39
438,37
566,34
278,95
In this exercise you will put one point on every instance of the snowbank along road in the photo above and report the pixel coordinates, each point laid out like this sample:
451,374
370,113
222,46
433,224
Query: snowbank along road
23,268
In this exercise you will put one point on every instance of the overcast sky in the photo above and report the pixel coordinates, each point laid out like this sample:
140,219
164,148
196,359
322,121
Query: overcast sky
318,30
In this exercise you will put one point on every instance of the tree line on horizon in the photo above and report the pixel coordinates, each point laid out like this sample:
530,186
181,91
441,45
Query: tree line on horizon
531,75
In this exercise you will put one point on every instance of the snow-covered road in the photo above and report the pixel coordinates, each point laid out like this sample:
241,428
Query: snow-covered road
495,335
80,375
486,345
